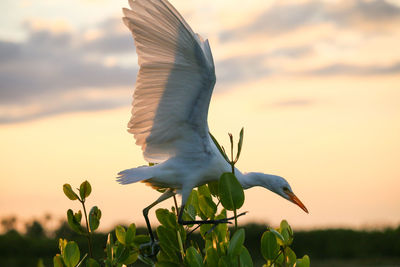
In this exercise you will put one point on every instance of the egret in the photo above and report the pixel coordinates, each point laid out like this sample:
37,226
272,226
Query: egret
170,107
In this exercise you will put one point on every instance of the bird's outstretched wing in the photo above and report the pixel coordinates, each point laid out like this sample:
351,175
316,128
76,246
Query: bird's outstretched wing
174,83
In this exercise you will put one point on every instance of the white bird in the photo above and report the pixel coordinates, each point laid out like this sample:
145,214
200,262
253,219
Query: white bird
170,107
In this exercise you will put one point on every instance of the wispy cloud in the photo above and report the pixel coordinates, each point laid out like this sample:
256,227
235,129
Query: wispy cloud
347,69
294,102
52,70
283,18
48,66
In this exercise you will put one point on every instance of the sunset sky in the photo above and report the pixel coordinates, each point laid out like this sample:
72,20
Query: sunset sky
316,85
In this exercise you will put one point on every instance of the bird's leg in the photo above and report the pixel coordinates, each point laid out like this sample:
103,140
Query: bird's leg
167,194
176,206
225,220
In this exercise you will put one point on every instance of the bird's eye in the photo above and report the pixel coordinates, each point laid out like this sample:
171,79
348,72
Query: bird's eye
285,188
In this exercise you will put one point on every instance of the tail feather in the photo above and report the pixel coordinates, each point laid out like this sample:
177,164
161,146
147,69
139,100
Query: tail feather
134,175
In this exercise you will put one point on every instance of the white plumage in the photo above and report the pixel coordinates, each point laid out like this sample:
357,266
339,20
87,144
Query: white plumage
170,106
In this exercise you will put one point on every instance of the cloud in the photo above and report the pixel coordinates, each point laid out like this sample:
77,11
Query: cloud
54,71
295,102
59,108
114,38
347,69
283,18
246,68
48,65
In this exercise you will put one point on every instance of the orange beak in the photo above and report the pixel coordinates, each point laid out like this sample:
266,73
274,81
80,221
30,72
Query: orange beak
296,201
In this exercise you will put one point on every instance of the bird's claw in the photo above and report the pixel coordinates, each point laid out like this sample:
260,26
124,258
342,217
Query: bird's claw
225,220
150,249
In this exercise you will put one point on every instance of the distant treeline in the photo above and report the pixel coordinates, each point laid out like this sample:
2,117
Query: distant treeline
18,249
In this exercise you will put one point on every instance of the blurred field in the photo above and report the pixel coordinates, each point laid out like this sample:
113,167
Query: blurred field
326,248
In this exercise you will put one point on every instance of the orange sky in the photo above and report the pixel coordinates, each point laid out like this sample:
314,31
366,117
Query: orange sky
319,100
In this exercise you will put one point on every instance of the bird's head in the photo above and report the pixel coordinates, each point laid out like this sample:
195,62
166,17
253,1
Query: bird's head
278,185
282,188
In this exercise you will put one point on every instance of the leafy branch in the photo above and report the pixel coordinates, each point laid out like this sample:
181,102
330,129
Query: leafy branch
221,248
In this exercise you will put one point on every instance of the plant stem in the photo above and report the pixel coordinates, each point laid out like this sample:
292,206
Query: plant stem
277,256
180,245
87,230
234,213
284,257
176,207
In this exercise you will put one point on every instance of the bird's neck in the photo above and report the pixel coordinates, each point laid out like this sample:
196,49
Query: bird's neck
251,179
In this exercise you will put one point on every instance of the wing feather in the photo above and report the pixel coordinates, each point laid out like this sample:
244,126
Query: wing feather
174,82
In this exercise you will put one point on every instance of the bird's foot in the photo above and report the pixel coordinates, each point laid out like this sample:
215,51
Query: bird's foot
216,222
150,249
237,216
225,220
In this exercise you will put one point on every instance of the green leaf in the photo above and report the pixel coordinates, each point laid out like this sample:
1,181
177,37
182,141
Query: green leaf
61,244
168,242
133,256
222,248
109,246
74,223
165,264
230,191
304,262
69,192
84,190
213,187
120,233
78,216
130,234
222,228
166,218
211,257
58,261
269,246
236,243
193,258
94,218
220,149
204,230
40,263
194,200
92,263
207,206
223,262
290,256
162,257
240,143
245,258
147,260
141,239
189,213
204,191
280,259
287,232
121,254
71,254
280,238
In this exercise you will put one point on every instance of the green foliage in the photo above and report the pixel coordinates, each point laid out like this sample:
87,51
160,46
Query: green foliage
275,247
269,246
69,192
236,244
84,190
218,246
94,218
193,258
230,191
74,221
71,254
